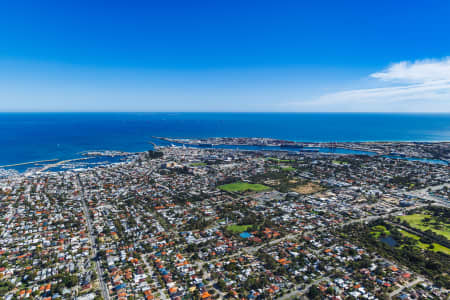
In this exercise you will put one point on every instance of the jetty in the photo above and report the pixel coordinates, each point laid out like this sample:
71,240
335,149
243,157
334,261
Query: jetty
29,163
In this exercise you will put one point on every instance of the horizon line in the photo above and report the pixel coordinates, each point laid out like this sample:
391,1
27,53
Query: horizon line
222,112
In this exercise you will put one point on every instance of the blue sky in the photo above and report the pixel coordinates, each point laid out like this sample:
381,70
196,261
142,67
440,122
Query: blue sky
225,56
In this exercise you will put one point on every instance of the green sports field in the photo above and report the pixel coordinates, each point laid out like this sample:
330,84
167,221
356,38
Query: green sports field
238,228
243,187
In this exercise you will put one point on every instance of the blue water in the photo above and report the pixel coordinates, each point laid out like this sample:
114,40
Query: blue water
37,136
245,235
389,240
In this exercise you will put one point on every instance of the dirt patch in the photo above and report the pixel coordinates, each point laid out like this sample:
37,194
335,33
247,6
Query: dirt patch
272,182
308,188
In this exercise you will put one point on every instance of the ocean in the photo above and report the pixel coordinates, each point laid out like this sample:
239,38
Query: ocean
40,136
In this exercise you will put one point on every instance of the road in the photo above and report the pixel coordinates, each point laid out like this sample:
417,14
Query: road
103,286
319,229
254,249
423,194
297,293
152,272
410,284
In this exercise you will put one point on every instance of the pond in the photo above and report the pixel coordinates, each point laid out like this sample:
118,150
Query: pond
389,241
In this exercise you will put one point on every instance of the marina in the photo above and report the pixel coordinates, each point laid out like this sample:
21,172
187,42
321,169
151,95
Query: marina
102,157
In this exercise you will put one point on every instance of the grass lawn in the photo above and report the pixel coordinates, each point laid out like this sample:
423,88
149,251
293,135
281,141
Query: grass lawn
277,159
378,230
416,221
288,168
238,228
198,164
436,248
243,186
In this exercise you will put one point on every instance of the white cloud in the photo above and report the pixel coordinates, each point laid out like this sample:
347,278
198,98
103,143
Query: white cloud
423,85
420,71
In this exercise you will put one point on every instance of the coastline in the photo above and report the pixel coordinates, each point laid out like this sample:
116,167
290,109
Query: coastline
46,167
339,148
31,137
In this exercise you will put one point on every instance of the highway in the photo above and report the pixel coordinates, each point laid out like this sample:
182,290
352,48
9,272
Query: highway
103,286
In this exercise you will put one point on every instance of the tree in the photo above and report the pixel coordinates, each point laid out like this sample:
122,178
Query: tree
221,285
70,281
314,292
